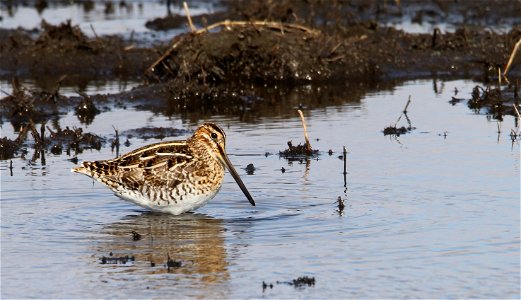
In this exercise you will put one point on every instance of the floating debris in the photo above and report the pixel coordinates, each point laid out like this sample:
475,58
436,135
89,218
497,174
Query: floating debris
341,205
299,282
393,130
304,281
296,151
121,260
265,286
250,169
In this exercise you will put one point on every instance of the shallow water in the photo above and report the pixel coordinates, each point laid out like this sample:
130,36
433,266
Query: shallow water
127,20
430,214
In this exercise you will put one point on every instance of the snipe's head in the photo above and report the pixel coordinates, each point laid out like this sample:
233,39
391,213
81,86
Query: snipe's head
213,139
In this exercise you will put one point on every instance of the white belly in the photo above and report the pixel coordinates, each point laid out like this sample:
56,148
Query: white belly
182,206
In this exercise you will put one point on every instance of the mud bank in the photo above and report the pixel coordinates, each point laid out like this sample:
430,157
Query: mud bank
260,52
256,60
64,50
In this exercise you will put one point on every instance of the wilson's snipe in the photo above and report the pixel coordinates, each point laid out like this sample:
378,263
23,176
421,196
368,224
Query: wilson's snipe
173,177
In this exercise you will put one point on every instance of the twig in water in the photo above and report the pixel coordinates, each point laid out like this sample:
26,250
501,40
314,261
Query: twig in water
511,59
309,150
517,111
115,143
187,11
345,166
42,133
94,31
394,130
517,118
404,112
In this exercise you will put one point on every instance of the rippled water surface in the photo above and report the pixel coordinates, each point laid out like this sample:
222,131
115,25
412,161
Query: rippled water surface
430,214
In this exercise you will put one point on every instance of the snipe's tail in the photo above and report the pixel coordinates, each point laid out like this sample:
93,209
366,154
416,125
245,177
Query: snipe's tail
82,169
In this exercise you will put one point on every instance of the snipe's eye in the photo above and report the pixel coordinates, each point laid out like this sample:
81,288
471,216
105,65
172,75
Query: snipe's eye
214,135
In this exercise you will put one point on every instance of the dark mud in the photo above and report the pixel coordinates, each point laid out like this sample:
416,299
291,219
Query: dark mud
54,51
247,66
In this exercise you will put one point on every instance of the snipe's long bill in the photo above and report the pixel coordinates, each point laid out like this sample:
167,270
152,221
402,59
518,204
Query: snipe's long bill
172,177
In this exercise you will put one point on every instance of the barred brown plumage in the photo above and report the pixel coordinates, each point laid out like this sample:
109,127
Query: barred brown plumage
173,177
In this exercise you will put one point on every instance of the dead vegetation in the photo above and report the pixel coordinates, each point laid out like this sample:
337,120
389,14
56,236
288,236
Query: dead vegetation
497,101
298,151
249,52
394,130
72,141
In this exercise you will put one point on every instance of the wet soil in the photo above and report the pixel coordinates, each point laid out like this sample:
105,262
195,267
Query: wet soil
55,51
230,67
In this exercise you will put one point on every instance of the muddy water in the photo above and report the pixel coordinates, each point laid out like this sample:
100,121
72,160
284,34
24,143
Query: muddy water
430,214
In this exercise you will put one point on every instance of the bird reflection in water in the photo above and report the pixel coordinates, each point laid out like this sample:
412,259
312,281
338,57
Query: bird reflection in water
194,242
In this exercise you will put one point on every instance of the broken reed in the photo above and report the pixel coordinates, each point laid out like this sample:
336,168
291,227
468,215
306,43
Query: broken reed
511,58
309,150
228,24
